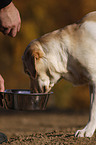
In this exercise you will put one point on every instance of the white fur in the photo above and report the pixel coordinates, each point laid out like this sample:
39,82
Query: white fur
90,27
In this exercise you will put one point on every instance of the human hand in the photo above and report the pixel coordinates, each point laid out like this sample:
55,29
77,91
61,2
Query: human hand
2,88
10,21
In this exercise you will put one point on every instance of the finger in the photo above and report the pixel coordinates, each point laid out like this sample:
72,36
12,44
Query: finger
2,88
19,26
13,32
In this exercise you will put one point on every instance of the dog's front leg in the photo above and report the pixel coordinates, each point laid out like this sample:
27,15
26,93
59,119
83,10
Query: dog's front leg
91,126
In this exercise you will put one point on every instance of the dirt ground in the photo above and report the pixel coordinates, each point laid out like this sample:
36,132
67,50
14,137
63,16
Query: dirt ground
44,128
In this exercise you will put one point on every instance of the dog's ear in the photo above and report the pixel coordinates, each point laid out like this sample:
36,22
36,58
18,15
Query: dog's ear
32,55
36,55
32,68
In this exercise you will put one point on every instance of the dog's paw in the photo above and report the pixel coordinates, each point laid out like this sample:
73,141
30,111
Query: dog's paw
82,133
86,132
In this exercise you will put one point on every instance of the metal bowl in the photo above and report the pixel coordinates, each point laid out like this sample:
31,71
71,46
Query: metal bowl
20,99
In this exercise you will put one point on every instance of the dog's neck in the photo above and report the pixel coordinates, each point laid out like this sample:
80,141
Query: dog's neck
56,46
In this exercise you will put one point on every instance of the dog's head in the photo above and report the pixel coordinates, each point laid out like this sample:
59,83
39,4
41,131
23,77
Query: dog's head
36,66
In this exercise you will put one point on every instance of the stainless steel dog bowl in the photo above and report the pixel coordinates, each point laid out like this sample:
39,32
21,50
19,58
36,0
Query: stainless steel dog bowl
21,99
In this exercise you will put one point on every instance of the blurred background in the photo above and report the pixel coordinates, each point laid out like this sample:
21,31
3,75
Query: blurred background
38,18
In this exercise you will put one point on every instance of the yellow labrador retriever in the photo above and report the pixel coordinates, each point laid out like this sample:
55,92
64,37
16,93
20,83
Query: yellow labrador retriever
68,53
